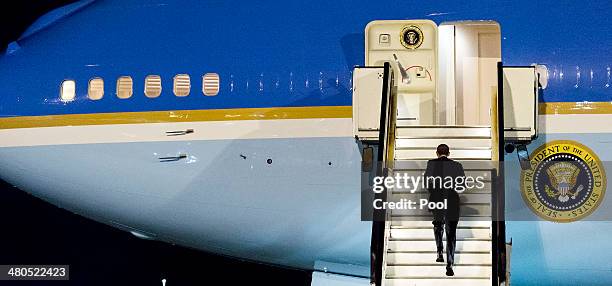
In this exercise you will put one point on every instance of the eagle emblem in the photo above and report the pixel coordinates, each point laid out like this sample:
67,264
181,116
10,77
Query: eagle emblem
563,176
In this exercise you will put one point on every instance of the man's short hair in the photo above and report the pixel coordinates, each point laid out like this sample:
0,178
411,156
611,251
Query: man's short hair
443,149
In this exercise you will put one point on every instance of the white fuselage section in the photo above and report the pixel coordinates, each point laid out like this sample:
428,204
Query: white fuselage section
284,192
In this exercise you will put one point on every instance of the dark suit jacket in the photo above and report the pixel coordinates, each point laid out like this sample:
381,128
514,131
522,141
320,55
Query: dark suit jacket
444,167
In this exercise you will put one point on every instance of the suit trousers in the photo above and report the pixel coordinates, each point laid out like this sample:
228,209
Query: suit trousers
441,223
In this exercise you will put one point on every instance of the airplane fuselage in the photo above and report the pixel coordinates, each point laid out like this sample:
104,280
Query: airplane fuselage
268,169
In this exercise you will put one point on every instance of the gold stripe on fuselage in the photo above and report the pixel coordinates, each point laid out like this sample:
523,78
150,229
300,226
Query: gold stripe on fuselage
310,112
585,107
177,116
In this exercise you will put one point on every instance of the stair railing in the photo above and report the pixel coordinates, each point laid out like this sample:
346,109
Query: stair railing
498,227
386,143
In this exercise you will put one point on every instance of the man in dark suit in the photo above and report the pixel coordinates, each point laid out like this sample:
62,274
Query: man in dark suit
438,172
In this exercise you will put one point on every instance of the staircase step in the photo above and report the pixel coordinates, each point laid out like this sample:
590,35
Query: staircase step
464,198
484,173
437,271
437,282
425,234
442,132
472,168
427,224
472,246
453,143
416,177
486,189
473,259
428,217
465,210
428,153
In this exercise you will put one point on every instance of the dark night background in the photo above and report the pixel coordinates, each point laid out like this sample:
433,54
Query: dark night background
35,232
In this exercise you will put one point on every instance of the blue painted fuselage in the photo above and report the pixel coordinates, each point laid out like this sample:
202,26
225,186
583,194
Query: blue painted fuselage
269,54
273,53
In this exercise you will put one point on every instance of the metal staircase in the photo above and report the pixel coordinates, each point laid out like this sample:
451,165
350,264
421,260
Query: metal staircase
410,250
401,91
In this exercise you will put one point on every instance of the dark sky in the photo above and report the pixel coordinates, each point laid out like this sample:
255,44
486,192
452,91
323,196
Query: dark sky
35,232
17,15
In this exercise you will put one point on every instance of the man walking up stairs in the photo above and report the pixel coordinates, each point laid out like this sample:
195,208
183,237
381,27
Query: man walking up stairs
444,219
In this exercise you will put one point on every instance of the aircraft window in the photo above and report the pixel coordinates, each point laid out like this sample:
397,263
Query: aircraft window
95,90
153,86
68,90
210,84
182,85
124,87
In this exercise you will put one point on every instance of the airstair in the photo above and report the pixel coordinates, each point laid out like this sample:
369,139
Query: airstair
424,85
410,251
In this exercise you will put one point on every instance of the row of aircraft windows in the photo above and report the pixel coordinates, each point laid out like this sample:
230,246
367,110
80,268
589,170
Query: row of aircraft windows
152,87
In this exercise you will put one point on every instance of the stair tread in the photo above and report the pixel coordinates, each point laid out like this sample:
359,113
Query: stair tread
443,133
431,239
423,223
455,150
466,209
430,245
429,153
428,258
453,143
441,126
485,190
422,233
438,271
414,170
437,282
464,198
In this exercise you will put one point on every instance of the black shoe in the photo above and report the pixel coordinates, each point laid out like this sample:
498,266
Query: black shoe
440,258
449,271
